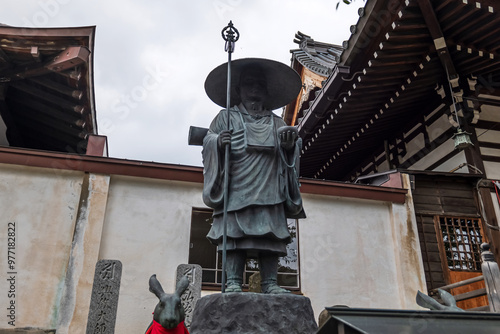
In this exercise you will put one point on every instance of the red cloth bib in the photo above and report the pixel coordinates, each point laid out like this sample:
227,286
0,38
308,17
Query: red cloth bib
156,328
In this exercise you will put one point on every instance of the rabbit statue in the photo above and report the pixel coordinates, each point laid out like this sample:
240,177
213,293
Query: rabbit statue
168,316
432,304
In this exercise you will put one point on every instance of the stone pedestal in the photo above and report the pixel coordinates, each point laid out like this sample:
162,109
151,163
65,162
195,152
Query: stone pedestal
254,313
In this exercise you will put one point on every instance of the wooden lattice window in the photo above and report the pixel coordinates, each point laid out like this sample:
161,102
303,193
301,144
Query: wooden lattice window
461,241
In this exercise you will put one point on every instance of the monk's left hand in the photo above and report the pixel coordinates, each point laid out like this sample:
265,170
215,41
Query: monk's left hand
288,139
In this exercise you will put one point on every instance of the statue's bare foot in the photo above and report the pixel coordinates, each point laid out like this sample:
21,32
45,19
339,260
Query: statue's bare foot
273,289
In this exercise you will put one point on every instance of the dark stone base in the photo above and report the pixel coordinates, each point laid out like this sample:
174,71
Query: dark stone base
248,312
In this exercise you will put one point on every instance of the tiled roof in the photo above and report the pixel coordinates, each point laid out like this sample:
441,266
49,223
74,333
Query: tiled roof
318,57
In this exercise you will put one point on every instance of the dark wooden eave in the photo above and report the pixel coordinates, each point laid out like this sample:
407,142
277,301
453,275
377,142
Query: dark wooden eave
396,68
46,87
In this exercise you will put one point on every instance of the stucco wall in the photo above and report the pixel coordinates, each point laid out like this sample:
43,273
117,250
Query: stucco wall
43,203
147,228
361,253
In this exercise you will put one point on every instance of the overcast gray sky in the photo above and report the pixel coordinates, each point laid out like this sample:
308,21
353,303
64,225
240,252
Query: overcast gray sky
151,58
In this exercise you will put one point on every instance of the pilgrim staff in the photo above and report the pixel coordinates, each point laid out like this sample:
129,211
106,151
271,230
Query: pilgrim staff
230,34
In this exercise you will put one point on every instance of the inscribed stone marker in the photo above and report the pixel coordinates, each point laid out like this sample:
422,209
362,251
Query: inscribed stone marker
193,292
104,300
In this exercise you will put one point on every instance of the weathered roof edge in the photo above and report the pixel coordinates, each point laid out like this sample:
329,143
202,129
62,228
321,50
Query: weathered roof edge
48,31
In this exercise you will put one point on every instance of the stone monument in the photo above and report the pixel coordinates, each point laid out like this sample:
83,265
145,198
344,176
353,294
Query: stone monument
104,300
193,292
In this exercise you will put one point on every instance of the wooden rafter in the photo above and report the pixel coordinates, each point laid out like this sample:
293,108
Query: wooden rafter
439,40
4,57
54,100
69,58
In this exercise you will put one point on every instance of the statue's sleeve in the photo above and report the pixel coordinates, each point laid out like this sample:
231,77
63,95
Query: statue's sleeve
293,204
213,166
290,162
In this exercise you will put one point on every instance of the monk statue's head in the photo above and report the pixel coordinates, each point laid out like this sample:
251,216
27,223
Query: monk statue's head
252,86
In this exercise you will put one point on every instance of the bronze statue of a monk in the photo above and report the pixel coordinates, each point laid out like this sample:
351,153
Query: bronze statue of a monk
263,173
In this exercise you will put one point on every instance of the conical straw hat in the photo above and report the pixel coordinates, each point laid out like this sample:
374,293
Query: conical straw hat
283,83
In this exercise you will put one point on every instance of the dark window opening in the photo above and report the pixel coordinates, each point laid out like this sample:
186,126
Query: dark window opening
205,254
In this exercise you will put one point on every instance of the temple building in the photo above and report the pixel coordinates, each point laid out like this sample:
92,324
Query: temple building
399,179
415,90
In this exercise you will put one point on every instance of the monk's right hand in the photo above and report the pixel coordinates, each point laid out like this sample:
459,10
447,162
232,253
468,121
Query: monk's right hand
224,139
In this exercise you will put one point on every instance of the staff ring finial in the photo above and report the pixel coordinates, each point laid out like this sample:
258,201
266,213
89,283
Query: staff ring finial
230,33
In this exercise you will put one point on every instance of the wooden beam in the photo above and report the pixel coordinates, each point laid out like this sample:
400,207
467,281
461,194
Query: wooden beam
484,144
73,76
473,153
50,98
491,158
44,109
3,56
459,284
57,87
42,132
471,294
69,58
35,53
55,124
437,35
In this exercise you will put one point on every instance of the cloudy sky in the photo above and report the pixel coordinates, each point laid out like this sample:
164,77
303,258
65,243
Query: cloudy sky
151,58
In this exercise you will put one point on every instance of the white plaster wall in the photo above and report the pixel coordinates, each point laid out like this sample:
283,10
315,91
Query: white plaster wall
492,170
348,254
490,113
487,135
437,128
453,163
43,203
414,146
434,155
74,306
360,253
490,151
147,228
406,245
